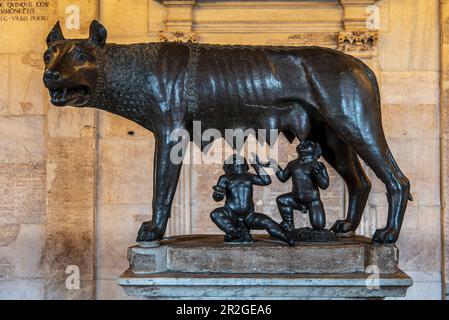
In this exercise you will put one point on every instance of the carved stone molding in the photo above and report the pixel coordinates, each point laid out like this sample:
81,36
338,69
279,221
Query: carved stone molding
357,40
340,24
178,36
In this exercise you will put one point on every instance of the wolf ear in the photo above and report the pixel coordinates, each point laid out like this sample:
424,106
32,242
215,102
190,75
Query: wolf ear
97,33
55,34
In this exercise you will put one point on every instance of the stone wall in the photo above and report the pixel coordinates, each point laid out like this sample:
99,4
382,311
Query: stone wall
77,184
409,63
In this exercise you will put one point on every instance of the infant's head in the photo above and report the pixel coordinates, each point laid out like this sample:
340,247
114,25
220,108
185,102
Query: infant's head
309,149
235,164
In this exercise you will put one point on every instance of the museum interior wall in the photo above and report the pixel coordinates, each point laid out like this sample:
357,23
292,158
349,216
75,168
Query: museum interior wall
76,184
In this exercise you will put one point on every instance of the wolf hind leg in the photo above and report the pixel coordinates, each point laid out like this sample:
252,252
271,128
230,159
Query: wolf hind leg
345,161
369,142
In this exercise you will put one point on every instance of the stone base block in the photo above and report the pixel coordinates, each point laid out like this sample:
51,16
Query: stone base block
198,286
203,267
208,253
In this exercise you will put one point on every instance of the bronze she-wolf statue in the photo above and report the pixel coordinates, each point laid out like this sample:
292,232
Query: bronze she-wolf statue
305,92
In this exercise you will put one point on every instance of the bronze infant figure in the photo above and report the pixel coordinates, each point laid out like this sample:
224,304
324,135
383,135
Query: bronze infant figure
308,177
238,216
167,86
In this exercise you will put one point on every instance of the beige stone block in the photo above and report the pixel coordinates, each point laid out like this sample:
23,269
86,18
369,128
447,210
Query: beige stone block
69,245
70,216
156,16
25,253
416,157
444,10
224,18
412,39
377,213
4,83
204,177
70,173
125,171
8,234
384,7
22,190
378,199
27,94
69,242
6,268
133,15
21,88
113,126
22,289
426,190
430,276
368,224
412,218
70,122
288,38
445,60
419,252
411,121
88,12
379,216
117,227
22,139
55,289
445,121
429,220
377,186
24,35
410,88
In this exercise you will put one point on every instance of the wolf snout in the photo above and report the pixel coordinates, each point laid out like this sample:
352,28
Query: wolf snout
51,76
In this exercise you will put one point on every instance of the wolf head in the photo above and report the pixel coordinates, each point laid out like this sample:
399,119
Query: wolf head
71,66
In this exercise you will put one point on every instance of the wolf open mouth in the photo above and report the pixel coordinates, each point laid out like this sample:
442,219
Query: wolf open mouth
63,96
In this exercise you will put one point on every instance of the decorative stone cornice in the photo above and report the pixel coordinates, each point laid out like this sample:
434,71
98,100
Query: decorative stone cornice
178,36
341,24
357,40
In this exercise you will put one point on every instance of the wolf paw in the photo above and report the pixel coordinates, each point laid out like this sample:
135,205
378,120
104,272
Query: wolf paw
149,232
385,235
342,227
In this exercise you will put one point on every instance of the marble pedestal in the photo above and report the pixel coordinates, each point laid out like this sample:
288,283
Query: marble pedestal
203,267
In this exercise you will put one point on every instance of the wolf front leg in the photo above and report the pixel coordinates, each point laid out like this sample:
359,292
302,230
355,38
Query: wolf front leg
166,176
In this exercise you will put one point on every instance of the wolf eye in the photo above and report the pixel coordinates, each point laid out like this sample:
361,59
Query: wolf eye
81,58
47,57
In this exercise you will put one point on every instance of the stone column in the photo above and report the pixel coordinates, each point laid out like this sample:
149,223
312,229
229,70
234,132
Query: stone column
355,14
357,38
179,20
